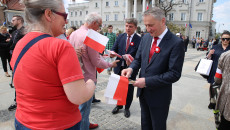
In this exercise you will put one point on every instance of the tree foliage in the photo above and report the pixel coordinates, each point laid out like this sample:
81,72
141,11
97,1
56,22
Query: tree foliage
176,28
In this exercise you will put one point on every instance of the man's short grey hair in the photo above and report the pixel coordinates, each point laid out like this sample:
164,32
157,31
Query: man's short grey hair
156,12
92,17
131,21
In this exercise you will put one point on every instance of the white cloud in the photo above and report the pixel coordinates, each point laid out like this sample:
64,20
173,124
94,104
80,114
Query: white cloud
222,16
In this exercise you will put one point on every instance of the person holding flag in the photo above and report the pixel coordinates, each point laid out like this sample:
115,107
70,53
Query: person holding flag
160,58
91,59
126,44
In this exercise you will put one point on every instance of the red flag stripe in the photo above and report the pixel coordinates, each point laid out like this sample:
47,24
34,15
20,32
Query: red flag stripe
94,44
217,75
121,91
99,70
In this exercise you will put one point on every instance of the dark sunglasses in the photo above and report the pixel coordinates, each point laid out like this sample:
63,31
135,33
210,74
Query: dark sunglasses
223,39
64,15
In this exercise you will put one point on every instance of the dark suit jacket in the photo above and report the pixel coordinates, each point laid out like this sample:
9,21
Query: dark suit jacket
164,68
120,46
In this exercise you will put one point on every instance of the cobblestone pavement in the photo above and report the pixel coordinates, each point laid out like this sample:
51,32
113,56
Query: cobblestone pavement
188,110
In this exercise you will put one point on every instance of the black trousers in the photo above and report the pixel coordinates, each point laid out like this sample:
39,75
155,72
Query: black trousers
224,124
129,98
152,118
4,58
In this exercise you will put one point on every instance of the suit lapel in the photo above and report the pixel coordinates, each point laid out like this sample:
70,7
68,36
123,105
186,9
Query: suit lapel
162,47
147,49
124,43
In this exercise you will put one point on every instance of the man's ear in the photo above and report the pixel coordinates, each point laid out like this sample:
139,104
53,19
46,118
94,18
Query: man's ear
48,15
163,21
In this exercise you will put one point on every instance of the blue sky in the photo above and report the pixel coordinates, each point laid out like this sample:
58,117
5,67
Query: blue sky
221,14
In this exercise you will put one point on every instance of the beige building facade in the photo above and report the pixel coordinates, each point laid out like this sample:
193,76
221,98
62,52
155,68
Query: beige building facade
196,14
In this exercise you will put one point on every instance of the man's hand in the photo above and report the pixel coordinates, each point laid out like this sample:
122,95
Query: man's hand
80,51
140,83
127,72
112,54
128,62
114,64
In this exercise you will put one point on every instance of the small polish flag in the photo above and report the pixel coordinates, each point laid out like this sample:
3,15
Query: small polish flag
147,8
96,41
117,89
186,25
218,74
128,57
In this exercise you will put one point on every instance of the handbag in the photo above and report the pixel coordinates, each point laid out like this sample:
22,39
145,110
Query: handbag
24,50
204,67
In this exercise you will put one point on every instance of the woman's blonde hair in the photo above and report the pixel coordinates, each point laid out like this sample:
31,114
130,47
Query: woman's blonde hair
34,9
3,28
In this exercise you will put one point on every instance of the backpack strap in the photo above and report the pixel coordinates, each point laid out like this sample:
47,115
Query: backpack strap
26,48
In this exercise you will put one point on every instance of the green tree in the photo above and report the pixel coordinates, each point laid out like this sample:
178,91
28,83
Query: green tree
176,28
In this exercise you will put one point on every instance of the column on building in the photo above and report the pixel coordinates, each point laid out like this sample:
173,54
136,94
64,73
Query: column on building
143,5
135,9
126,8
153,3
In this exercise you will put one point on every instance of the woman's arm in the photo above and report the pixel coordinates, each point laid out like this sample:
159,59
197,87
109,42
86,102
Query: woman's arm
79,91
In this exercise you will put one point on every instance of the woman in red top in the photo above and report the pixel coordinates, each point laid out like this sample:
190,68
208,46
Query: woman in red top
48,80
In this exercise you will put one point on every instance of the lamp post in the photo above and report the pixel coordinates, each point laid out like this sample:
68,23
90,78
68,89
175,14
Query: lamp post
190,16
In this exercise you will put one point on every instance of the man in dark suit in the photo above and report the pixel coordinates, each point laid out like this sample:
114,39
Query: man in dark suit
126,43
160,57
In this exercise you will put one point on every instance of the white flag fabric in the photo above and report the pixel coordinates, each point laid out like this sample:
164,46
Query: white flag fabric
96,41
117,89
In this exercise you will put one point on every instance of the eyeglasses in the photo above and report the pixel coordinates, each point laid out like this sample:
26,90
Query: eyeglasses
64,15
223,39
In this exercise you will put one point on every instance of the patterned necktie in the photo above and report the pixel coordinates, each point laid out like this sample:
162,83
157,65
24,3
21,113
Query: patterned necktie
153,48
127,43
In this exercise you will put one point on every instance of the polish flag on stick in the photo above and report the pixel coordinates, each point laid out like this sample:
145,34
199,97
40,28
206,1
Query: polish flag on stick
96,41
218,74
117,89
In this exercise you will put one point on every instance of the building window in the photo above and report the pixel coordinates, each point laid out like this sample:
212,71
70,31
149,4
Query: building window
132,15
171,17
75,13
71,14
198,34
72,23
124,4
107,3
107,17
201,1
96,5
184,1
80,23
116,3
115,17
199,17
183,16
86,12
76,24
124,16
80,13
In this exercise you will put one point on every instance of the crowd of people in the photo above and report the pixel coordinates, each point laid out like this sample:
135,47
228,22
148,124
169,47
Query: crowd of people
55,73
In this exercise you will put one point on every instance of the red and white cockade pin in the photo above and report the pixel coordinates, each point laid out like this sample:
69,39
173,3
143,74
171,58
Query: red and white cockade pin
157,50
131,44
